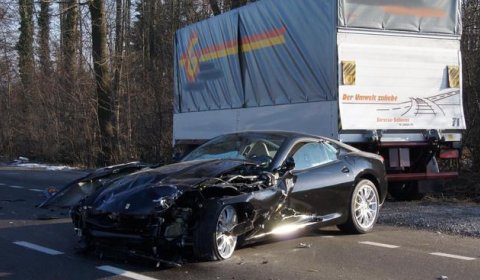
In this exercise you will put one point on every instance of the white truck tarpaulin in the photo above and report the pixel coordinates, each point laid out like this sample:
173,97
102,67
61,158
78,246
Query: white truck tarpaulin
423,16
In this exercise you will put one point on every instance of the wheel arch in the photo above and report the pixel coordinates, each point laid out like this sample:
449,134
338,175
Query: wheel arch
231,196
351,225
371,177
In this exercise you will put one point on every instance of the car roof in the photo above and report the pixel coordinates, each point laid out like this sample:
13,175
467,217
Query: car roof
286,134
292,136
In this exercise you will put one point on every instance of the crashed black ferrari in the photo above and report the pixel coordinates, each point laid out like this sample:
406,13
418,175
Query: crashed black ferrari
234,190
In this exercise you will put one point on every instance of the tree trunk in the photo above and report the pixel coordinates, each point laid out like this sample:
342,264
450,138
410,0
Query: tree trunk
153,52
102,77
471,77
25,42
120,27
26,69
70,42
44,37
238,3
215,8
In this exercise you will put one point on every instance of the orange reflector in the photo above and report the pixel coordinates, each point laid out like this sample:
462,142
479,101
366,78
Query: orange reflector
454,76
349,71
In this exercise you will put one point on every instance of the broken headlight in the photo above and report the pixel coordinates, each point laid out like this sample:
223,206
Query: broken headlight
166,197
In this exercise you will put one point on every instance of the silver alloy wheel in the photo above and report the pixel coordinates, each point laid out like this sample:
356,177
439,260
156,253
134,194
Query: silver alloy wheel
366,206
225,241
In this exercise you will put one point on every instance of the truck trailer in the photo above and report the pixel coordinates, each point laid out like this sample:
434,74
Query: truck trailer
381,75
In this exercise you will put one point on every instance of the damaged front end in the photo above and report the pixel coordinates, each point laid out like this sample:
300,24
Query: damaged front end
134,226
152,215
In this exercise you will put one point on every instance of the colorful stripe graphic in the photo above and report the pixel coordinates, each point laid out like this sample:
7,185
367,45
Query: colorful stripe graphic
191,59
418,12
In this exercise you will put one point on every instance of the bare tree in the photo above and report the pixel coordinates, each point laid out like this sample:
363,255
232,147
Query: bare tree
70,37
102,78
215,8
219,6
25,42
44,37
122,23
238,3
471,76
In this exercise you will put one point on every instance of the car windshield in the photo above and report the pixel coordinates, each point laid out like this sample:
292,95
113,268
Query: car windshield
260,148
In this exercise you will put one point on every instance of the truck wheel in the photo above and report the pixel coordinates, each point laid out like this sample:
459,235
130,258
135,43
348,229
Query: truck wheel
405,191
212,238
363,209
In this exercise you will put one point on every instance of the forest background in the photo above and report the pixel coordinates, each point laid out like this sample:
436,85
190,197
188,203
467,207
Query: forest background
90,82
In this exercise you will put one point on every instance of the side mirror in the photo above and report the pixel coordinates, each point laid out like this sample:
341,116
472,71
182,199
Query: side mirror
287,179
288,165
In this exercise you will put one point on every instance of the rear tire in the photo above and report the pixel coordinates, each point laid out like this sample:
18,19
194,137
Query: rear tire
211,237
363,209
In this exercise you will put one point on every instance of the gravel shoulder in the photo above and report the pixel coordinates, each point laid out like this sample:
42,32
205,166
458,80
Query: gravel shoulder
456,218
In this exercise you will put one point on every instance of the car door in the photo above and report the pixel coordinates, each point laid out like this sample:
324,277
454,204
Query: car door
324,179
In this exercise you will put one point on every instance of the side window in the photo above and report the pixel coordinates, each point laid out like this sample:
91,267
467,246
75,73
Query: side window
310,155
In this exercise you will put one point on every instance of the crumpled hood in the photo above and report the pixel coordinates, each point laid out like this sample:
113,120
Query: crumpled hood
135,194
194,172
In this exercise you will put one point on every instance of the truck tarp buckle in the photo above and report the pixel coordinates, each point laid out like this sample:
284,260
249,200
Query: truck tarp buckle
375,135
434,135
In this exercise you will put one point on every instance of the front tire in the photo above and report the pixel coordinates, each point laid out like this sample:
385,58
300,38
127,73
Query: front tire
363,209
212,238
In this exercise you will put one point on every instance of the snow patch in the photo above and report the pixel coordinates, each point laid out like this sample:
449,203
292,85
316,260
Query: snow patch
25,163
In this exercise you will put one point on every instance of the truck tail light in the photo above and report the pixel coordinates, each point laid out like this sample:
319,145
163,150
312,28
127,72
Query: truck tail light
449,154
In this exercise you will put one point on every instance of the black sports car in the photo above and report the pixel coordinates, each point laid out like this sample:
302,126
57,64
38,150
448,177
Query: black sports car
235,189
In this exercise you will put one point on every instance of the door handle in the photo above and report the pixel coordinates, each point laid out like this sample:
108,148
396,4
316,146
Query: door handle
345,170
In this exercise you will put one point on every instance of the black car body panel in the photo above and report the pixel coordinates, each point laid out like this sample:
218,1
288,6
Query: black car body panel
74,191
162,207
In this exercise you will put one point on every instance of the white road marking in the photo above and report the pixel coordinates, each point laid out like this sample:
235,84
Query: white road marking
38,248
124,273
2,184
16,187
452,256
379,244
327,236
35,190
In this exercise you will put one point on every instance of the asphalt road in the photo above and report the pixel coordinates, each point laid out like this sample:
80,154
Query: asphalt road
33,247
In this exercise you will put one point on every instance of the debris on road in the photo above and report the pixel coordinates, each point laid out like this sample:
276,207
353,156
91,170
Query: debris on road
304,245
44,217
